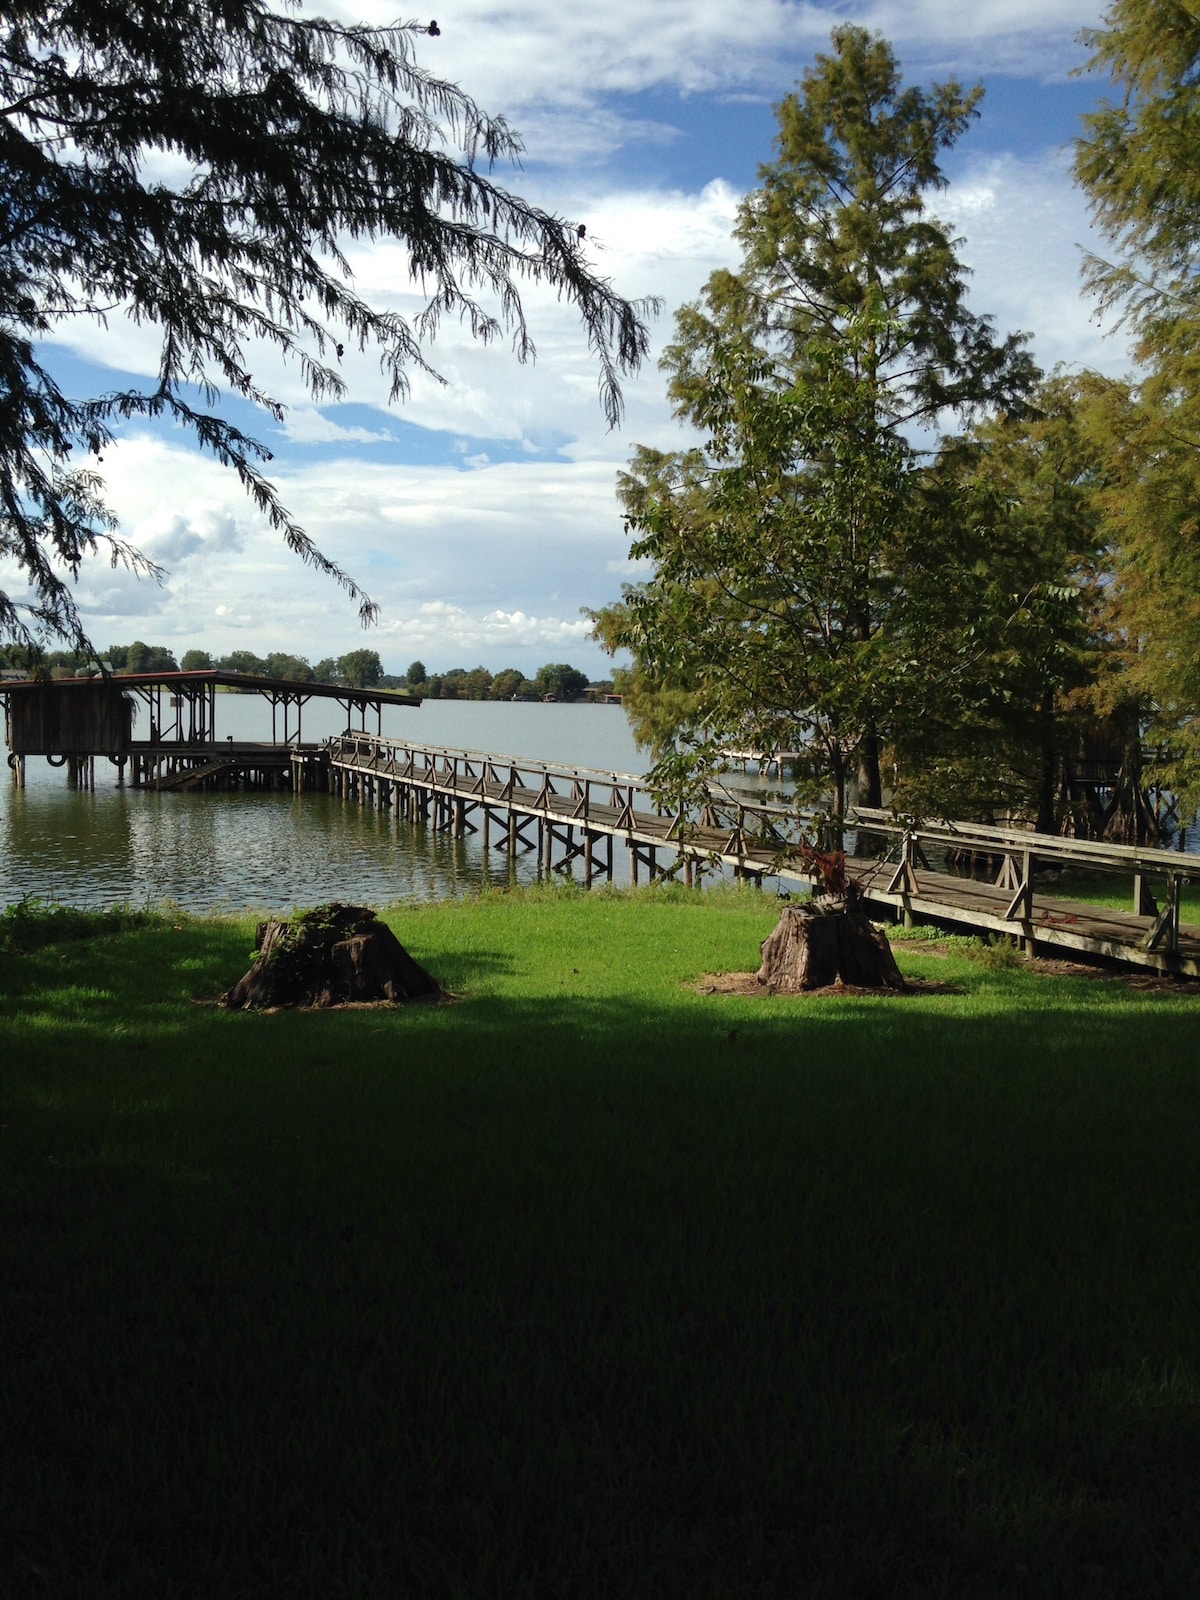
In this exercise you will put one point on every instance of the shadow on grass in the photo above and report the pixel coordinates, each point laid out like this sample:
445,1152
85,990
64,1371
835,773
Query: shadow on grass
580,1296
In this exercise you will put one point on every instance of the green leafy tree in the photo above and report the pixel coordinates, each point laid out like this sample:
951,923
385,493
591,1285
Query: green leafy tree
1148,683
659,705
754,620
778,609
416,674
326,670
478,684
1019,584
197,661
296,135
243,661
511,684
280,664
1137,162
141,657
559,681
361,669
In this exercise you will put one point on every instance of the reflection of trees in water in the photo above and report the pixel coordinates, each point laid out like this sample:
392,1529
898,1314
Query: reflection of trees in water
58,843
233,850
276,851
229,850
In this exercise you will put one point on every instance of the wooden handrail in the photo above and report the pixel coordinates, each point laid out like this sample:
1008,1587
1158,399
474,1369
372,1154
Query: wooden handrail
444,765
1043,846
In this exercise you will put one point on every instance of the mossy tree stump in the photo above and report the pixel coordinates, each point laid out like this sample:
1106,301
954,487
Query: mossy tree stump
333,955
816,944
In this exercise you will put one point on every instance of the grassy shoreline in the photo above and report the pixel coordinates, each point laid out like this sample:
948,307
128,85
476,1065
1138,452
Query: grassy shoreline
591,1284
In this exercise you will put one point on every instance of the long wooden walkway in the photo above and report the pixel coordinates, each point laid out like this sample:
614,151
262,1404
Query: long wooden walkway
577,816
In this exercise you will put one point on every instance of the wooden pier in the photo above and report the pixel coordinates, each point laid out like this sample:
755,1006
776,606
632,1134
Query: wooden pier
577,816
768,763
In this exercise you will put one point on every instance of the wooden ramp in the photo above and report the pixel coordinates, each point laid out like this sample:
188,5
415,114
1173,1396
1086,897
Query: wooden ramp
576,816
171,767
194,777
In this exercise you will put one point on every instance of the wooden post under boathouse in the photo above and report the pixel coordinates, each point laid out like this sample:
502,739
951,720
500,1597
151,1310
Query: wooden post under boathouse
160,728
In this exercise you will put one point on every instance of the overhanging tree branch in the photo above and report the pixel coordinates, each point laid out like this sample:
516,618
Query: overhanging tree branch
296,137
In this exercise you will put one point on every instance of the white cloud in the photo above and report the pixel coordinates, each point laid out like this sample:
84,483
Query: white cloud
307,425
455,632
497,559
1024,226
561,58
501,540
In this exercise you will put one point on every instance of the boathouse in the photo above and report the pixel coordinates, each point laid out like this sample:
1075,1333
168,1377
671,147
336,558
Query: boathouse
163,725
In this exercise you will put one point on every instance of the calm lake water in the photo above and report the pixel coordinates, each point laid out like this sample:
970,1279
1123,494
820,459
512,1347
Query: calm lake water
275,851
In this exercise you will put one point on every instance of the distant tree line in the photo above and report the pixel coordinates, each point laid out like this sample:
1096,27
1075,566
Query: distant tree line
555,681
359,669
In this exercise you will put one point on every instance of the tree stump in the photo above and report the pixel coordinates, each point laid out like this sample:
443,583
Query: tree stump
330,956
815,945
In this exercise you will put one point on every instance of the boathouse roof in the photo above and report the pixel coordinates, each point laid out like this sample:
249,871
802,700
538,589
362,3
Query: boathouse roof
221,680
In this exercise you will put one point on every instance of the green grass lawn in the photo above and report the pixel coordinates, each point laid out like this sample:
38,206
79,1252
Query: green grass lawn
591,1284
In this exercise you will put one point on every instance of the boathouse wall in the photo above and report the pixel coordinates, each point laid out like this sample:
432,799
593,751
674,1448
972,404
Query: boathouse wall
95,718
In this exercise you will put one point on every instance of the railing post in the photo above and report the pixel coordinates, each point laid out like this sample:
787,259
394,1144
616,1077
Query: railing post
1165,931
904,879
1144,903
1174,882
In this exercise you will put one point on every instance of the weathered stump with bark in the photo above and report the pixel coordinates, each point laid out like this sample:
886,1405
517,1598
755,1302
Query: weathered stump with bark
330,956
815,945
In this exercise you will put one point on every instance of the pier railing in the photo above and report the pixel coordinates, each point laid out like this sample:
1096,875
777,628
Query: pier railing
750,836
576,814
1019,850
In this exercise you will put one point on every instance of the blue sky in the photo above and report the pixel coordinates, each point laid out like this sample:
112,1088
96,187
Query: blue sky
481,515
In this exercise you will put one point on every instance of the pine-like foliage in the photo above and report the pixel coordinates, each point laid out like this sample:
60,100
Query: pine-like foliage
794,558
202,166
1138,162
841,227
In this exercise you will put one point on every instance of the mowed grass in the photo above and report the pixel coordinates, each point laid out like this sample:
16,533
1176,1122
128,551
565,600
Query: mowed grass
591,1284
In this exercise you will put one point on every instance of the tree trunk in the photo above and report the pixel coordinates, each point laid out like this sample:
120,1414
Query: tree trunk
812,947
870,779
1048,766
330,956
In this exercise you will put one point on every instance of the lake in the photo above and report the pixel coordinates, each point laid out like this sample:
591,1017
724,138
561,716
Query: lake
275,851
